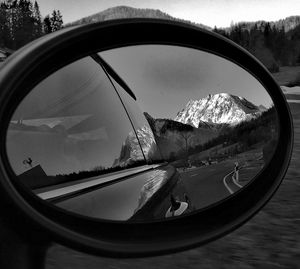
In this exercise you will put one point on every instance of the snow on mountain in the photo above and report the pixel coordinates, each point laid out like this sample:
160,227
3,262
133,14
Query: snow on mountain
222,108
130,151
148,143
131,148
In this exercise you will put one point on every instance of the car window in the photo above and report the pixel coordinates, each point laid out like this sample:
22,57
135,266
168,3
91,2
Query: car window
141,125
71,126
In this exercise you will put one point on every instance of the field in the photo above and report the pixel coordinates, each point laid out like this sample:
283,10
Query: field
271,239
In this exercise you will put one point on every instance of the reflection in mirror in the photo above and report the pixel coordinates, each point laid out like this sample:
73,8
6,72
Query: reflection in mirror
142,133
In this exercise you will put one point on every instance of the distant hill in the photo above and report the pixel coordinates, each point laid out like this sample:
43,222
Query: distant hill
287,24
275,43
121,12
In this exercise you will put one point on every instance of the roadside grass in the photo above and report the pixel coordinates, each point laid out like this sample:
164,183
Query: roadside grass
288,76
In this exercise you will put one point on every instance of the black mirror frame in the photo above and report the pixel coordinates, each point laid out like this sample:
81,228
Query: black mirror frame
30,65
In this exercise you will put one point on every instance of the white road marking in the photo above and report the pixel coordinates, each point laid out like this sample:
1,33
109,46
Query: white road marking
235,182
194,175
225,183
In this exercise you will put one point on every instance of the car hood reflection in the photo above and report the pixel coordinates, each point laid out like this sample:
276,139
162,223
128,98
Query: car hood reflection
123,199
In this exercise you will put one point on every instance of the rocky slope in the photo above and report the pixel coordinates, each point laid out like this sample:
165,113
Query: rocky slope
175,138
131,150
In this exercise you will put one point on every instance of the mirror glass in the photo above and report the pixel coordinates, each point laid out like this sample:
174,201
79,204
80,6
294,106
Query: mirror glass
142,133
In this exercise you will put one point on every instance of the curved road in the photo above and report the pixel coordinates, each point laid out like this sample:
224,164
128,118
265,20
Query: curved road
209,184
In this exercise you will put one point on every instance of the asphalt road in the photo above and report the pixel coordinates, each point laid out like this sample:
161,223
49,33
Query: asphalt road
208,184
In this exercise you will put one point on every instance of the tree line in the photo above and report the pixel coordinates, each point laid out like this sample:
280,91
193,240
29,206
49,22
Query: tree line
21,22
270,43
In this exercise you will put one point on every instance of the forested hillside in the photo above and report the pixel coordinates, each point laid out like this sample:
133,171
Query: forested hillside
247,133
274,43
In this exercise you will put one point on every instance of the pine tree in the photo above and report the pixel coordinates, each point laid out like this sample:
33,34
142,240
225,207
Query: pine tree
20,23
47,25
56,21
268,35
38,27
53,23
4,27
24,23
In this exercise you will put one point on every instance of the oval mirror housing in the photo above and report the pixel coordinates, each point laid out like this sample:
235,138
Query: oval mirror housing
194,129
130,137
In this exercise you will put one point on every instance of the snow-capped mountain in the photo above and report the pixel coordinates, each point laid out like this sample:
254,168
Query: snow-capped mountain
218,109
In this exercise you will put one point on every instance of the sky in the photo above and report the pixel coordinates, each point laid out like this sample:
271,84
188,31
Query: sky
165,78
220,13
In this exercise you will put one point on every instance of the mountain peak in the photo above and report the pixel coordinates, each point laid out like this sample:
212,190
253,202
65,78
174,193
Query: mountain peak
217,108
122,12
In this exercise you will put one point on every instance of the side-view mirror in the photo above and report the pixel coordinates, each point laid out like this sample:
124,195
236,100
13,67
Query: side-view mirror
139,137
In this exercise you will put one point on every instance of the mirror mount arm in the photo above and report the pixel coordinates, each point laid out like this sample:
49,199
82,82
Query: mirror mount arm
20,252
23,244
